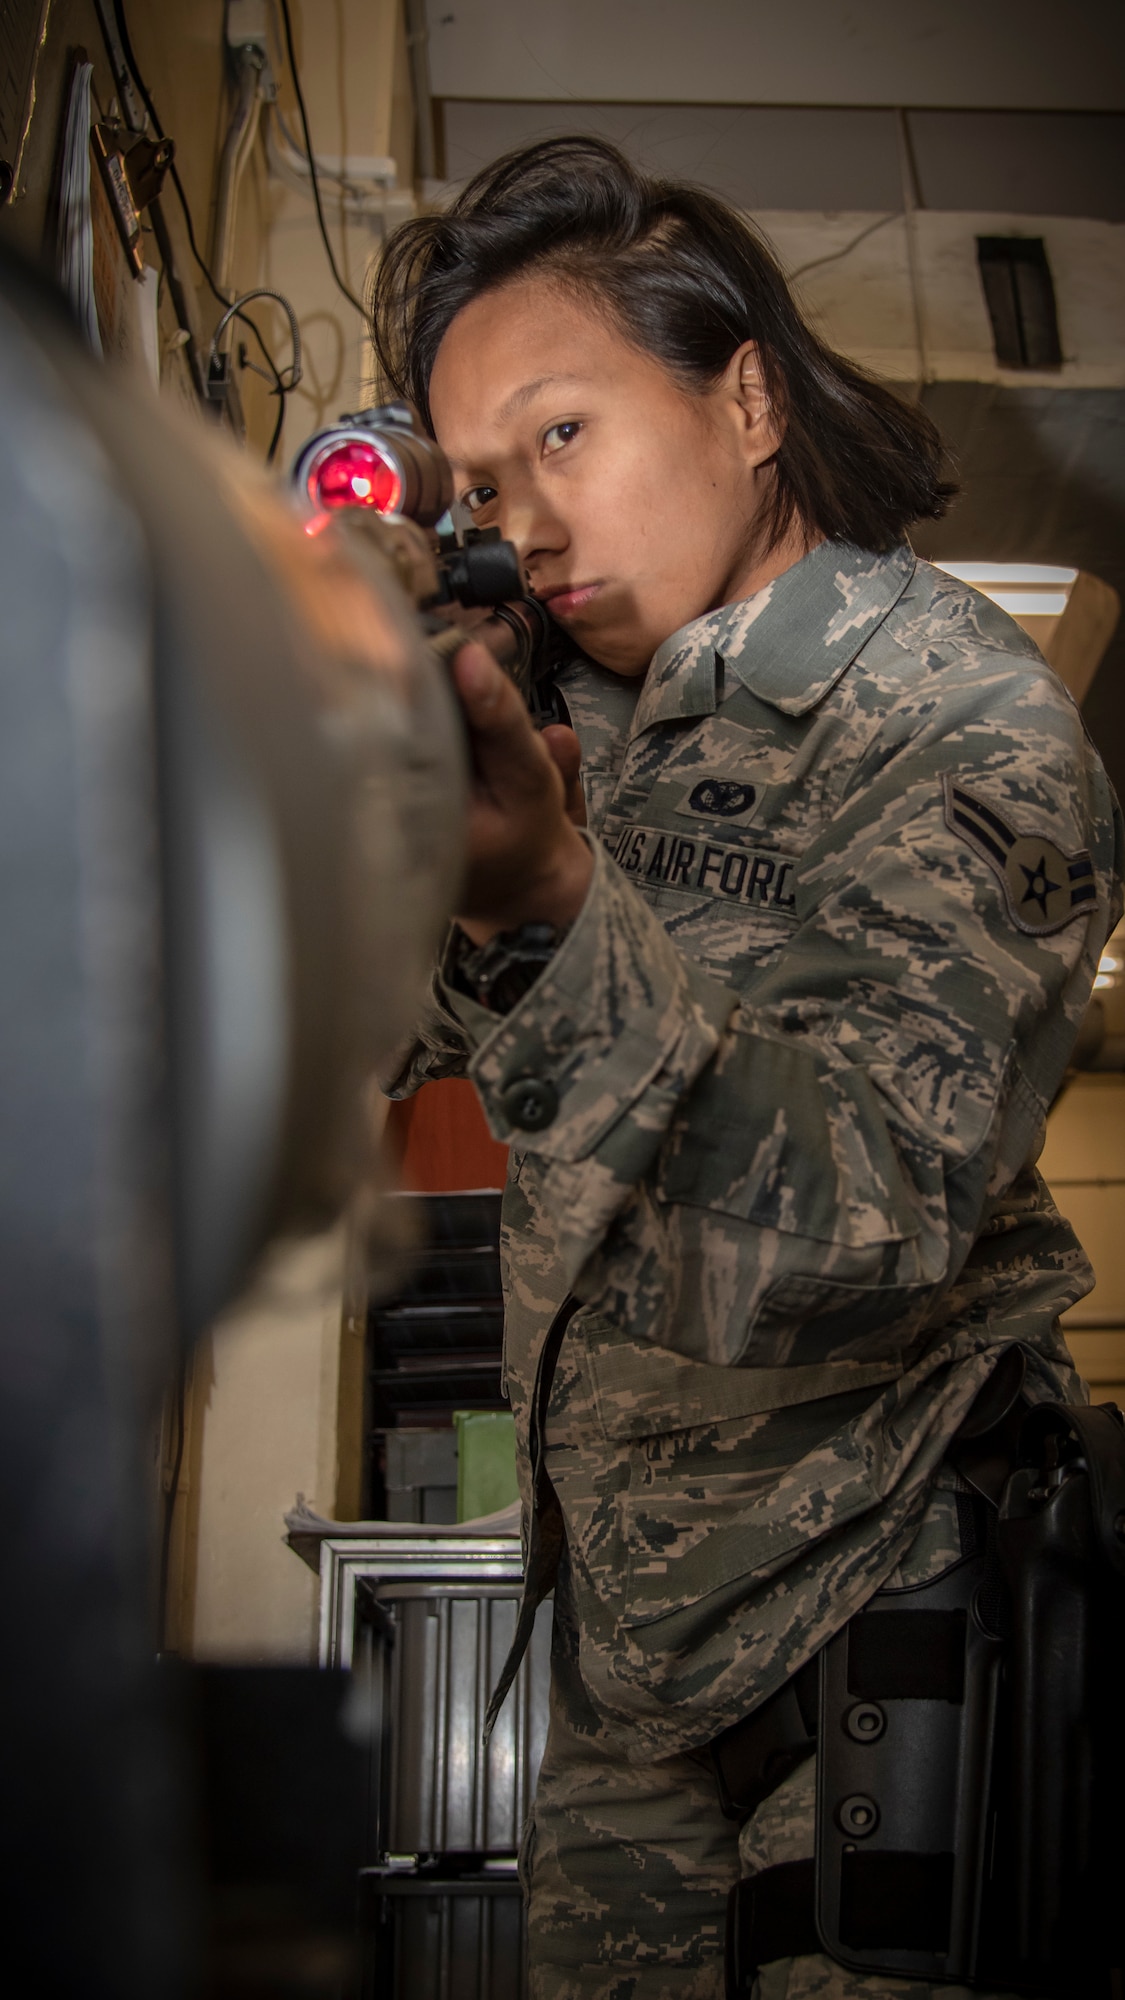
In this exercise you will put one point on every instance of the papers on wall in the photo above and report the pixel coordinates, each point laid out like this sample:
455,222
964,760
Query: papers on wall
76,234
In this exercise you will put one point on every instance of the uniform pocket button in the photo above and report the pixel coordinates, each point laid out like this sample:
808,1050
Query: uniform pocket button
529,1103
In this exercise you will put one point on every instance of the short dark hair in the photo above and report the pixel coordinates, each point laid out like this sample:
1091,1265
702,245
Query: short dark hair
687,279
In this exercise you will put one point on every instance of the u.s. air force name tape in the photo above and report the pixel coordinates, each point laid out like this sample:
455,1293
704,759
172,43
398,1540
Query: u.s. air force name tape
700,867
1043,887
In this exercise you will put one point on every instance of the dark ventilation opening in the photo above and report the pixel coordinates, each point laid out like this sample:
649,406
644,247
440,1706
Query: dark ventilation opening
1020,298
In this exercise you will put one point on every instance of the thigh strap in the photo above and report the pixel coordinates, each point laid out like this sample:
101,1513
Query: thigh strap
771,1915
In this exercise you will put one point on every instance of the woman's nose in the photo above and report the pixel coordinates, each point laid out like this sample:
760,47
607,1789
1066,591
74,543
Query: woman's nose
535,529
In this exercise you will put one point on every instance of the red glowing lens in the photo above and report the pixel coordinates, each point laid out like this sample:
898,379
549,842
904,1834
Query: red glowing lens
355,474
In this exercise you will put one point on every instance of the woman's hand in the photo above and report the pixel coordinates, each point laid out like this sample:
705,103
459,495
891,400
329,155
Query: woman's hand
526,860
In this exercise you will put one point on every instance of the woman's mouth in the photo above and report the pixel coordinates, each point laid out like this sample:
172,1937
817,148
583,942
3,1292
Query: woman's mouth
568,603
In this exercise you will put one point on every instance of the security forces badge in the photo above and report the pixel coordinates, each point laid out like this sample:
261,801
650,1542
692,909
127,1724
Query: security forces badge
719,797
1043,887
725,798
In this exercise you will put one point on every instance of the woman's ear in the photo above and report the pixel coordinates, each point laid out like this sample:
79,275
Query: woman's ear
761,426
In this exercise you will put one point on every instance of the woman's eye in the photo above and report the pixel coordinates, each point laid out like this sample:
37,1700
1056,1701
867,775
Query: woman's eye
478,497
558,435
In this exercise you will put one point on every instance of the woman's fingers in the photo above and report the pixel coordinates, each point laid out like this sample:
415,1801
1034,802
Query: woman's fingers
480,683
525,860
566,753
510,763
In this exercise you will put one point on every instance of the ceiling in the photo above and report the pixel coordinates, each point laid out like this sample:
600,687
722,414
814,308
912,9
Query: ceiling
946,54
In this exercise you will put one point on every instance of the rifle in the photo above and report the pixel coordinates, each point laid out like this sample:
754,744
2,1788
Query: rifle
379,476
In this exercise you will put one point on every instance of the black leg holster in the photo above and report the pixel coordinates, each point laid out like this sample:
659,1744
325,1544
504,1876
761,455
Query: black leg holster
970,1739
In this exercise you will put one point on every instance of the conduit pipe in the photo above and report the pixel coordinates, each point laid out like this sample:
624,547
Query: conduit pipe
249,65
417,42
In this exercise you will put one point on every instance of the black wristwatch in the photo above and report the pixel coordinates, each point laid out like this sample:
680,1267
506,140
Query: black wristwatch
499,973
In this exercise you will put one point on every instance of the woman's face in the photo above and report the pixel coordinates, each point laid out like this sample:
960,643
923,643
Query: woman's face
633,502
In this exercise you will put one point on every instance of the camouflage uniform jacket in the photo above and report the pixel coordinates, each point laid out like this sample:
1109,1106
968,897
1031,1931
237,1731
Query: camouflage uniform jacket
856,860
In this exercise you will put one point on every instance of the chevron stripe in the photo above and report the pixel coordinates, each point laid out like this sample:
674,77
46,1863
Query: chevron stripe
1022,857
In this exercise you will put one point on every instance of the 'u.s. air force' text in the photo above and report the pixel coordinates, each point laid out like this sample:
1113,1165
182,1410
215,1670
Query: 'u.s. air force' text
701,867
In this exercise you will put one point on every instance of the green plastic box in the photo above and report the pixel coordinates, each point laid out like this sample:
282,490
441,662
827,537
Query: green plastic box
486,1462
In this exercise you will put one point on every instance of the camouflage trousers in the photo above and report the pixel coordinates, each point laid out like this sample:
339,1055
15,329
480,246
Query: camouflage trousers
627,1865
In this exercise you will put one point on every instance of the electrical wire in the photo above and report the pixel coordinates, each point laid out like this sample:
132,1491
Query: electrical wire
835,255
281,388
173,171
294,370
346,290
234,311
907,215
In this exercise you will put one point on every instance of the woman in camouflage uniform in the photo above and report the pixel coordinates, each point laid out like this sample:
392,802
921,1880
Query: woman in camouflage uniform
771,1001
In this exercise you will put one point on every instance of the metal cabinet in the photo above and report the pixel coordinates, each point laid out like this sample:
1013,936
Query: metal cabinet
425,1621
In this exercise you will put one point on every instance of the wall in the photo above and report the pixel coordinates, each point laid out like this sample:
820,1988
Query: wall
827,157
355,75
353,61
354,67
1084,1164
262,1425
855,285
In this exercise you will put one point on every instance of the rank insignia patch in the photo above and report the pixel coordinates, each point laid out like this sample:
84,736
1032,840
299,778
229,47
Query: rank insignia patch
1043,887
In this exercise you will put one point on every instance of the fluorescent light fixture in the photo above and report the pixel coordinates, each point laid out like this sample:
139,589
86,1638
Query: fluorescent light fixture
1030,603
999,573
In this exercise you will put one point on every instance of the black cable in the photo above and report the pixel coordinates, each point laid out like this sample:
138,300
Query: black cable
321,224
834,256
280,389
173,170
244,361
279,422
170,1497
235,311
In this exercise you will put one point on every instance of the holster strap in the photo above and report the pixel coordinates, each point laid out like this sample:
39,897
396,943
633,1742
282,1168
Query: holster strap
769,1916
900,1897
772,1916
545,1531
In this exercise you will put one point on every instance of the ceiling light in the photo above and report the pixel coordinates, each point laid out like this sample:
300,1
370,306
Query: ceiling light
984,573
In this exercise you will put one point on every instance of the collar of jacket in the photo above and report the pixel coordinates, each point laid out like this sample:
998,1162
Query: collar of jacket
788,644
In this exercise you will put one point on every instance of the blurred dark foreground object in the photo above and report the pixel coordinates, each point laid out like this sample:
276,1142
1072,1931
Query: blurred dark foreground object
283,1770
230,796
